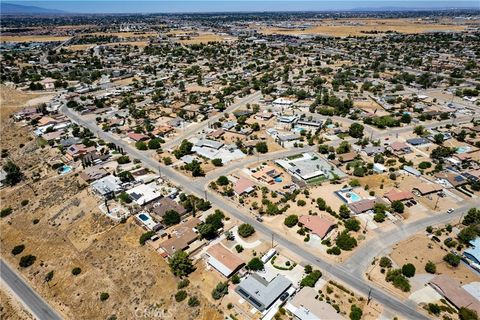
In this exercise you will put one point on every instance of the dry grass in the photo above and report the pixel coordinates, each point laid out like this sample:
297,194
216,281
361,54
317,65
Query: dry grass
33,38
12,99
83,47
10,308
356,27
204,38
125,34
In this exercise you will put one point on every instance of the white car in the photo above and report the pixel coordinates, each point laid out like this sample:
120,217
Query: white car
449,210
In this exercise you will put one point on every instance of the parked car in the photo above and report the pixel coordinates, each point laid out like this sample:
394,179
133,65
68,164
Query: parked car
449,210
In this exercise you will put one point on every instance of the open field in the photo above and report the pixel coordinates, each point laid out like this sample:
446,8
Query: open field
125,34
10,308
204,38
12,99
82,47
358,27
33,38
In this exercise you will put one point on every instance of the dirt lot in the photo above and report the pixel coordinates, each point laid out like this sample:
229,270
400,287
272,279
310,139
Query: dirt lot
358,27
82,47
34,38
11,309
12,99
62,226
204,38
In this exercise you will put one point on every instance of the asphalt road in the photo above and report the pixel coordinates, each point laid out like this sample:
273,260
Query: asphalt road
34,303
198,188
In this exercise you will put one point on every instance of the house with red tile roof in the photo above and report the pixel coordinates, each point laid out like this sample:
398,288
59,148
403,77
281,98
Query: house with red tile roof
223,260
317,225
137,136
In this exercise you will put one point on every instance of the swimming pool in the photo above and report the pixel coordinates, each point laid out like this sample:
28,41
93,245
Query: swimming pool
463,149
143,217
348,196
64,169
278,179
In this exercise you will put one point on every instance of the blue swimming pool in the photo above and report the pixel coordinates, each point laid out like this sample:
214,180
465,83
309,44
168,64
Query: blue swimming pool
348,196
463,149
64,169
143,217
278,179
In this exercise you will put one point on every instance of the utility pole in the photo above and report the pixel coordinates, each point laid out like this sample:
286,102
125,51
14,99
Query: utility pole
369,295
436,203
206,197
273,235
160,171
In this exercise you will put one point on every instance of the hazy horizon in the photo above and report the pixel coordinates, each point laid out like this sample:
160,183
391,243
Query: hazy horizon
145,6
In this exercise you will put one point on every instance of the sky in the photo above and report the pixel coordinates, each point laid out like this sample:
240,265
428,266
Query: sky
161,6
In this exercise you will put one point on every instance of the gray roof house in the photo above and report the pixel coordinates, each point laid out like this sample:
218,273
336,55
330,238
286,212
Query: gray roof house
261,293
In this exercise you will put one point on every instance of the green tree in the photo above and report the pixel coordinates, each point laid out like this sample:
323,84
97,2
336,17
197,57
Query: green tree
467,314
180,295
140,145
430,267
13,173
352,224
344,211
222,181
76,271
184,149
217,162
311,279
104,296
355,313
356,130
171,217
145,237
255,264
18,249
27,260
261,147
408,270
193,302
154,144
180,264
245,230
452,259
291,220
398,206
385,262
321,204
345,242
220,290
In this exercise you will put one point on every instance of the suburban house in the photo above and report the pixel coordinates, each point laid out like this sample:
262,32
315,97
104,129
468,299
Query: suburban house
363,205
423,189
137,136
417,141
373,150
450,180
243,185
267,174
260,293
144,193
473,253
317,225
107,187
77,151
304,306
90,174
398,195
399,148
182,238
161,206
223,260
451,290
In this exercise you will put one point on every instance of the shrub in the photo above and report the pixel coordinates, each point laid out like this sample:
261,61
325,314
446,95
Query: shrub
49,276
310,279
183,284
398,279
345,242
27,261
171,217
180,295
430,267
308,269
5,212
301,203
76,271
123,159
140,145
245,230
222,181
18,249
235,279
408,270
220,290
334,250
452,259
467,314
24,203
104,296
352,224
239,248
291,220
385,262
217,162
145,237
355,313
434,308
424,165
193,302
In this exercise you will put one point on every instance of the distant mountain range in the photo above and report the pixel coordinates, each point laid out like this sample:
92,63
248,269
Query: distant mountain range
18,9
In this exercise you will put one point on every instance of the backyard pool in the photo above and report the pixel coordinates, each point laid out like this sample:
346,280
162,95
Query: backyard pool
463,149
64,169
278,179
143,217
348,196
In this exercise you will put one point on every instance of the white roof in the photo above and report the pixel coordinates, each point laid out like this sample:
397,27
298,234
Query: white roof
144,193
